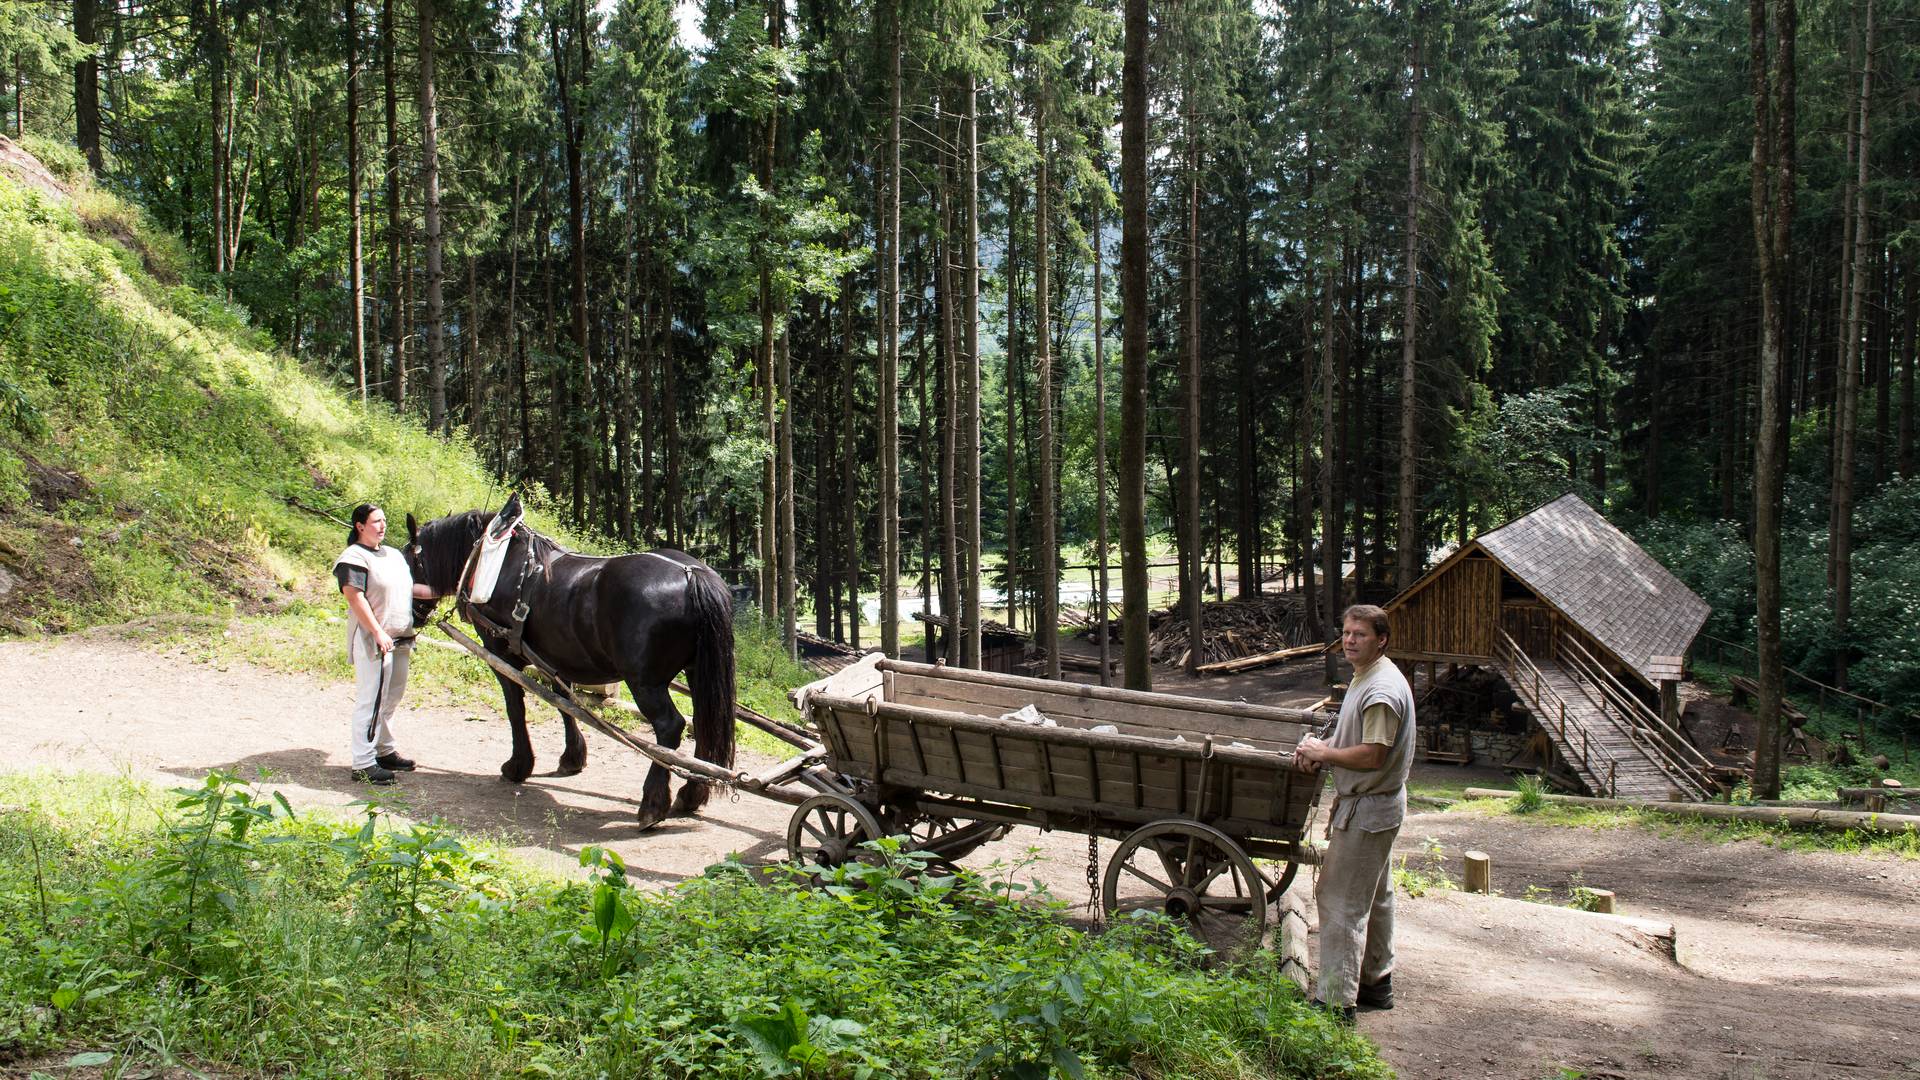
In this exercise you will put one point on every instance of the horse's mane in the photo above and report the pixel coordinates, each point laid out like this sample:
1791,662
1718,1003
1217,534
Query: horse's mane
445,544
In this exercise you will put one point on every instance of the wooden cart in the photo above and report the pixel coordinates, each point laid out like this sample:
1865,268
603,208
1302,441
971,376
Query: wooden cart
1194,790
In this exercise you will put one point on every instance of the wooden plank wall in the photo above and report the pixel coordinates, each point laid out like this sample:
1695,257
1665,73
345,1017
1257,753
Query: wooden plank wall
1456,613
1021,765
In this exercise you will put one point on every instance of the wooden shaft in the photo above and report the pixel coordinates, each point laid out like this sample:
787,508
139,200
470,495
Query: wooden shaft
672,759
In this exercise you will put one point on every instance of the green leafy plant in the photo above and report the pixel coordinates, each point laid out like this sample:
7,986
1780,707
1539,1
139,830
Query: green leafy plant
791,1041
1531,797
398,874
194,886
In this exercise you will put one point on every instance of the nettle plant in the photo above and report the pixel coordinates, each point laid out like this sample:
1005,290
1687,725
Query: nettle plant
177,909
409,882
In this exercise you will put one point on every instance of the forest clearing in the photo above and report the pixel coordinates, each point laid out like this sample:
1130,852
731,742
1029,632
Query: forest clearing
1494,987
1060,434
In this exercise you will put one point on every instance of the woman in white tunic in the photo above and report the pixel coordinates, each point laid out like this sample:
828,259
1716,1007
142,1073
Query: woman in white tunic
380,592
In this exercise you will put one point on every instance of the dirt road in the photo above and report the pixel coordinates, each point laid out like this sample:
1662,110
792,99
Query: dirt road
1790,964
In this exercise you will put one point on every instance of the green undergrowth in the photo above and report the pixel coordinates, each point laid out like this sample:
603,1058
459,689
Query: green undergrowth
209,928
1849,841
156,452
1830,725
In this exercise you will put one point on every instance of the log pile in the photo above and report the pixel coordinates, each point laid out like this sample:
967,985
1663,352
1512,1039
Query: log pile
1243,627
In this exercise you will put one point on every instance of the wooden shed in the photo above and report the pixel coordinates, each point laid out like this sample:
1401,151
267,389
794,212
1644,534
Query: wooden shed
1589,629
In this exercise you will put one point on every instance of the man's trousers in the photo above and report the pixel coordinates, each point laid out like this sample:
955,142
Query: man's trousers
1355,896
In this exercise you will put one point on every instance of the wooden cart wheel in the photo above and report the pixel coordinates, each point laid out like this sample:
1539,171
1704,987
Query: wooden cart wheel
1190,872
827,830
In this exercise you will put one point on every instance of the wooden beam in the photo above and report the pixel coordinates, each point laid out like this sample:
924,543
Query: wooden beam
1803,817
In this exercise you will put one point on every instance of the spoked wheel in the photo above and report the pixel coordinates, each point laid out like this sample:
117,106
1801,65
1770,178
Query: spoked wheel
828,830
1192,873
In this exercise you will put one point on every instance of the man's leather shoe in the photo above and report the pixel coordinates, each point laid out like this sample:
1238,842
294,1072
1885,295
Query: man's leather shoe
1377,996
377,775
395,762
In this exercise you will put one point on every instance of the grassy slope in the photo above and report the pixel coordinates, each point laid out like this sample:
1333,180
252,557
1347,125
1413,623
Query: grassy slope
151,442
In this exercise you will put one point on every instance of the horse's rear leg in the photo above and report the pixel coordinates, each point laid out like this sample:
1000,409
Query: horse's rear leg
656,704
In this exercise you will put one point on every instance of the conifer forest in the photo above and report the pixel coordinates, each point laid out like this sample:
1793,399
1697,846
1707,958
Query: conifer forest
937,302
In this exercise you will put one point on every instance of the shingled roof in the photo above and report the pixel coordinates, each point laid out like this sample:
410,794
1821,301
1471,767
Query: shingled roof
1578,562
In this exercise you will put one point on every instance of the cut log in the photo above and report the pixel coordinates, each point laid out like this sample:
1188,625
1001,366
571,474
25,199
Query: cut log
1601,899
1799,817
1259,660
1479,872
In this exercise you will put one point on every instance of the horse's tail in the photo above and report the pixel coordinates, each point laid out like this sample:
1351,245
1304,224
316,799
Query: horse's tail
710,605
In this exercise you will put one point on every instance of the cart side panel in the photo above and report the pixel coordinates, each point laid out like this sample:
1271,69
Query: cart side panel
1130,718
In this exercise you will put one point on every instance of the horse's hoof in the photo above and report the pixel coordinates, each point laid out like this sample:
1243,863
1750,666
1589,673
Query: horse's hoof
649,818
513,773
692,797
565,769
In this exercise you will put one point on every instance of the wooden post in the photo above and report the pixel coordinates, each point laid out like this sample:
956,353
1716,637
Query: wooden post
1479,872
1602,900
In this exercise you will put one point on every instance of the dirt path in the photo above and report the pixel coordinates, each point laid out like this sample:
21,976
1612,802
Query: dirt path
1790,964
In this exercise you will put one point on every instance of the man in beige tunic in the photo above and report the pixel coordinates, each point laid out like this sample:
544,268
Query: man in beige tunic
1370,753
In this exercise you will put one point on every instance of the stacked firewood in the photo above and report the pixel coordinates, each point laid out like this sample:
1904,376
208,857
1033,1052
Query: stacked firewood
1244,626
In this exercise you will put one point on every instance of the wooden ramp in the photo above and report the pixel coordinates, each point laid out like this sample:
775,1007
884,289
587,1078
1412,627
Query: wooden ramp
1613,746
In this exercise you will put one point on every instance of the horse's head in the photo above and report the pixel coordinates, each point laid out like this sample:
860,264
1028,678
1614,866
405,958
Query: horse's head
437,551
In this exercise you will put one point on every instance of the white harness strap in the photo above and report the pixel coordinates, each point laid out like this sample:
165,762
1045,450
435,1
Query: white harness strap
688,568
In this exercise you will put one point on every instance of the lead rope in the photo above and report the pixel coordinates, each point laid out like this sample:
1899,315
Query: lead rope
1095,910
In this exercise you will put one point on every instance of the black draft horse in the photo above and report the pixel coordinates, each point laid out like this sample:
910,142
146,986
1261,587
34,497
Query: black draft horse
639,619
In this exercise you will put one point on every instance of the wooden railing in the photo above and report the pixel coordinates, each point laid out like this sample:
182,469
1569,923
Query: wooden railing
1551,709
1679,759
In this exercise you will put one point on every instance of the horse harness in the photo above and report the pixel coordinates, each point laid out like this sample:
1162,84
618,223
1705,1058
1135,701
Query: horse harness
534,570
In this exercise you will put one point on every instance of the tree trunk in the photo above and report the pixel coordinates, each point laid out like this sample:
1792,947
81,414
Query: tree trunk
575,134
396,307
1911,306
1332,533
970,452
1411,558
850,461
430,182
1047,611
86,84
1011,397
356,273
1133,393
1772,208
769,480
949,409
1100,450
217,99
890,364
784,542
1847,414
1193,557
1247,478
514,339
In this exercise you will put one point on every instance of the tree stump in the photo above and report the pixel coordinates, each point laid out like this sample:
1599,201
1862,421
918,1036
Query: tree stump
1479,872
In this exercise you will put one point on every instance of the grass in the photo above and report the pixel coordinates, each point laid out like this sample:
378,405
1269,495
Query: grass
155,451
206,927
